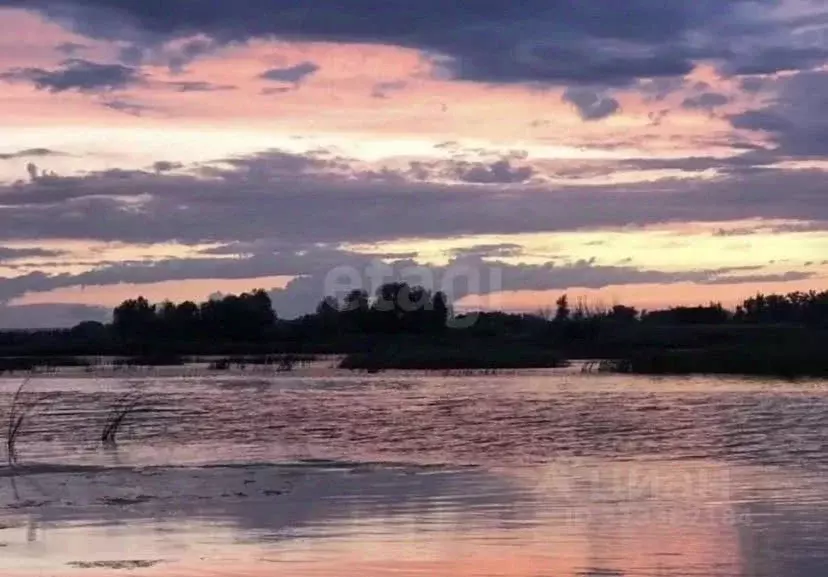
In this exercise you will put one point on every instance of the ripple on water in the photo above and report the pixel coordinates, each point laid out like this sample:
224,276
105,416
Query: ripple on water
522,474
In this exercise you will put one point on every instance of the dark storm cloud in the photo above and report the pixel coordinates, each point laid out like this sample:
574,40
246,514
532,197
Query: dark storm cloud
546,41
795,120
591,105
776,59
77,74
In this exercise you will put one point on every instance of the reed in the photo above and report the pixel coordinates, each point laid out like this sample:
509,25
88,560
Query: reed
125,406
18,412
152,360
282,363
460,358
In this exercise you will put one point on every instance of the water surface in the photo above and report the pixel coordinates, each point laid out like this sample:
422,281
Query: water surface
328,473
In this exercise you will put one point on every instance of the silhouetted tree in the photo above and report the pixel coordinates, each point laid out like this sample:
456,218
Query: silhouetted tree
398,308
356,300
328,313
386,311
809,308
90,332
712,314
440,312
562,309
355,311
134,318
621,313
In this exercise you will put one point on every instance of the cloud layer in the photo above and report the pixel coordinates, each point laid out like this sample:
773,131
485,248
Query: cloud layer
311,205
605,43
269,138
315,198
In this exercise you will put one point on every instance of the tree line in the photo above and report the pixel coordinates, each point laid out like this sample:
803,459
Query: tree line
398,308
248,316
395,308
796,308
398,312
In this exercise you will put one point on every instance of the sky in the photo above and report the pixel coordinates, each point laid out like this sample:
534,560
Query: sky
644,152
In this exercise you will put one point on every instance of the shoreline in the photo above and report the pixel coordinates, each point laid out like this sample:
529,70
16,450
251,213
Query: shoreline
789,362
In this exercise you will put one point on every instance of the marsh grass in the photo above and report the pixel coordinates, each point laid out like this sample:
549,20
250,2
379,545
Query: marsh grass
17,415
23,405
459,358
125,406
154,360
607,366
282,363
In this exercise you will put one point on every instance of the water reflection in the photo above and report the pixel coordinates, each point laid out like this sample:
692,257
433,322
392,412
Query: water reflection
569,518
563,477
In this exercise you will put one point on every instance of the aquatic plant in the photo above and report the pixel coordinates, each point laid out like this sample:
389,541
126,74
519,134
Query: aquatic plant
607,366
283,363
219,365
467,357
151,360
126,405
18,411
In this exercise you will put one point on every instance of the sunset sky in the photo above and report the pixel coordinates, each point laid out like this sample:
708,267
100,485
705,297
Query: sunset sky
639,151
